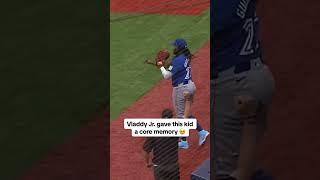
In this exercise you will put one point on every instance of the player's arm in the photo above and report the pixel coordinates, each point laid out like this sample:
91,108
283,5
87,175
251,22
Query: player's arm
246,162
148,147
167,74
247,107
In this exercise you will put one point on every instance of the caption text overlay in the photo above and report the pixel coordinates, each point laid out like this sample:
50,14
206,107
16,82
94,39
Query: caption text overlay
160,127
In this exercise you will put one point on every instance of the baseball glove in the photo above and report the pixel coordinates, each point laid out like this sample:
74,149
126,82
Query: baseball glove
160,59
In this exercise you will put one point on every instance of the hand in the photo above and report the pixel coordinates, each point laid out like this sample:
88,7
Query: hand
148,160
161,57
246,105
149,165
159,64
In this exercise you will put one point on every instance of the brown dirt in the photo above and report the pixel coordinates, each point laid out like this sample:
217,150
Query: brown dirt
179,7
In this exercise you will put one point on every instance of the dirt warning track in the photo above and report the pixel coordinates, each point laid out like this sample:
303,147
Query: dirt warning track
173,7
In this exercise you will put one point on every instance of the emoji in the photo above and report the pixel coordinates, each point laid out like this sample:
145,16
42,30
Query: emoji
182,131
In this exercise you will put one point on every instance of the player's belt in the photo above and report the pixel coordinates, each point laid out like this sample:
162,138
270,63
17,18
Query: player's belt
239,68
183,83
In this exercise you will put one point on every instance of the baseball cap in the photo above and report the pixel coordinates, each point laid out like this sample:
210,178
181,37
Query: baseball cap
179,42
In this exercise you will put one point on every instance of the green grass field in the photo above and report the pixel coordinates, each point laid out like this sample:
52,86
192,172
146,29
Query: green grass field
53,76
134,40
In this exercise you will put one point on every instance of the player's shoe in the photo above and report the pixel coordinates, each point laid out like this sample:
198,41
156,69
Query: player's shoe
183,144
202,136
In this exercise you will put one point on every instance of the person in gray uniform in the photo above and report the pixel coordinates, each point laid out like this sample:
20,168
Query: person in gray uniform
183,87
242,88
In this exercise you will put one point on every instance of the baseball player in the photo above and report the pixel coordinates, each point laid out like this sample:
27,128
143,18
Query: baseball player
242,88
183,87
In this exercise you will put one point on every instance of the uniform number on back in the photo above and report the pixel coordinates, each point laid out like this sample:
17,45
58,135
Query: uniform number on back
188,75
188,69
248,46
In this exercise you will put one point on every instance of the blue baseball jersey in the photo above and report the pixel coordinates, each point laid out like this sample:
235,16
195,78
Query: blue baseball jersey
235,27
180,69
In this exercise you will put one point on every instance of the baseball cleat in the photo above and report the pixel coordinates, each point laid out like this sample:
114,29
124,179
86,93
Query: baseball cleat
202,136
183,144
